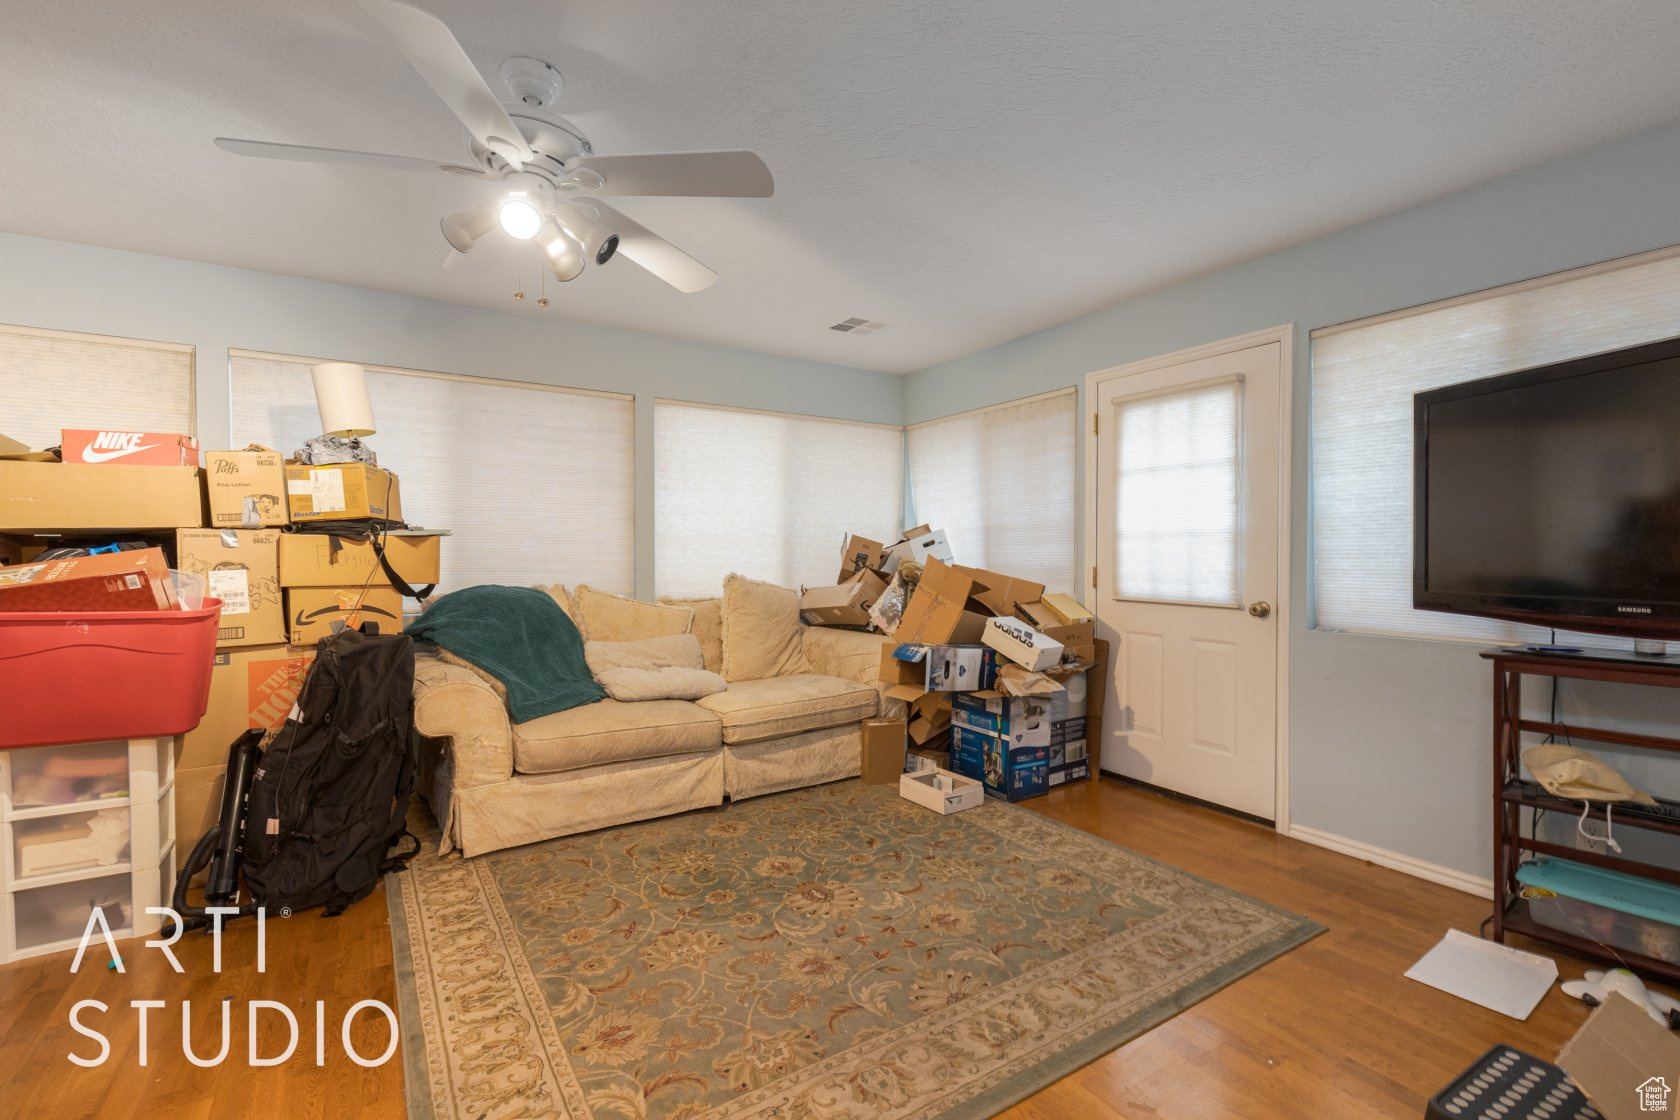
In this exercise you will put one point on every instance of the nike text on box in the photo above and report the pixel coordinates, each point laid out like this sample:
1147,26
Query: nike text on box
134,449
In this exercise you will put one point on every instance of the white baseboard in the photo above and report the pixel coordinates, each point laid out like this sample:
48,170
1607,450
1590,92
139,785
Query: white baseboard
1382,857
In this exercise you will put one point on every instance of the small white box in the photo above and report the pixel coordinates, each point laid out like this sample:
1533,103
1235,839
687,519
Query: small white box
918,548
1022,644
941,791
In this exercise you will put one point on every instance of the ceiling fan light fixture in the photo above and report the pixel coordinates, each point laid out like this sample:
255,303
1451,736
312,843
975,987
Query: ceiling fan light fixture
564,260
519,216
583,224
464,228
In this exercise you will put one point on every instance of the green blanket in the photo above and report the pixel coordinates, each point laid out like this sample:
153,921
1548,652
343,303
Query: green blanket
519,636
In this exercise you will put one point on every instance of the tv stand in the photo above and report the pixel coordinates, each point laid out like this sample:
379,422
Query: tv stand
1511,794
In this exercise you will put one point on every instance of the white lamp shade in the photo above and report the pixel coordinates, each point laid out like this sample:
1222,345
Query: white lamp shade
341,395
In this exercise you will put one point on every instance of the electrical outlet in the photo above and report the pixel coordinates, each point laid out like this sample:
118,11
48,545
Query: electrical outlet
1594,840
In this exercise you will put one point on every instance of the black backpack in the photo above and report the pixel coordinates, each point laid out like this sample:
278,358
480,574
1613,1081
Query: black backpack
330,795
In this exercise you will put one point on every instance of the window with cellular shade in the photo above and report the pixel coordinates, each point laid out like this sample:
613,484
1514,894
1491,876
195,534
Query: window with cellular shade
1000,482
1364,375
536,482
768,495
70,380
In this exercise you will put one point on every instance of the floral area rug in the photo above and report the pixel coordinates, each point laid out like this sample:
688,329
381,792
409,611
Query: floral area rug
835,952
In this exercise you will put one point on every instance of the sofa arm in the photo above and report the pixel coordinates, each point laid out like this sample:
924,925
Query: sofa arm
455,703
850,655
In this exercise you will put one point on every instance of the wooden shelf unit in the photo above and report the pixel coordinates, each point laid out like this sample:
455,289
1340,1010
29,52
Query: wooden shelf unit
1511,793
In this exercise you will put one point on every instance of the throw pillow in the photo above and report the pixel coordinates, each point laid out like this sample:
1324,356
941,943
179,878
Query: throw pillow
675,650
666,668
605,617
708,627
762,637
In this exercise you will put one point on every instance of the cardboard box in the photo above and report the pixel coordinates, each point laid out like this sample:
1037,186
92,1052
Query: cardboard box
1007,771
882,754
311,611
133,449
341,492
1000,593
250,687
919,547
50,497
845,604
137,580
930,720
1022,720
1624,1061
1069,762
941,612
918,669
1079,640
1022,644
323,560
858,554
918,759
246,489
241,567
198,805
1067,610
941,791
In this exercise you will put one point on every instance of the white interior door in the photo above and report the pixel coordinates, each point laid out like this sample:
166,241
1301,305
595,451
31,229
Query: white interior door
1188,494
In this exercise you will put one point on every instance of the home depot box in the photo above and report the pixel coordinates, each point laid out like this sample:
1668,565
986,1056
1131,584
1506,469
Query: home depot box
942,610
241,567
859,553
1021,644
50,497
311,611
246,489
341,492
882,753
845,604
133,449
325,560
1023,720
920,548
1000,593
252,686
1008,771
137,580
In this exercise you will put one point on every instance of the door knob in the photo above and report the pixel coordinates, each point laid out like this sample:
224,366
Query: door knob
1259,608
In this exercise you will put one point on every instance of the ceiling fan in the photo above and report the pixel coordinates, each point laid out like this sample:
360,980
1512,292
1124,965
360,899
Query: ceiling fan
550,181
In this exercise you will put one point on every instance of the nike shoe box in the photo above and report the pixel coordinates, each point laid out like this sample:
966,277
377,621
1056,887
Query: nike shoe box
241,567
83,497
312,611
95,447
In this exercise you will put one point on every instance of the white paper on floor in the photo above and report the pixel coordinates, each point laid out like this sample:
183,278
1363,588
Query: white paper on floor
1500,978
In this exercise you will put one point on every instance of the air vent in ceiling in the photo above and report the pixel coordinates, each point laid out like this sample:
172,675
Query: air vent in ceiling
859,326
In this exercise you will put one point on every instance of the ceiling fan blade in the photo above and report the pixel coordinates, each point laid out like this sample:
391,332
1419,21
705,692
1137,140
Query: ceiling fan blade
685,174
262,149
642,246
434,52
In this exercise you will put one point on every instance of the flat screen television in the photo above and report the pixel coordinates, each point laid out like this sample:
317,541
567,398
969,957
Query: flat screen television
1552,495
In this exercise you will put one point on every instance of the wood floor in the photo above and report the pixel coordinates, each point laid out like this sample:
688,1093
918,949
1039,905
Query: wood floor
1331,1030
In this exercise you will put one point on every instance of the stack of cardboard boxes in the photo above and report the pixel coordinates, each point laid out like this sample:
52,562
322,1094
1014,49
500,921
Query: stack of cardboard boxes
992,669
237,524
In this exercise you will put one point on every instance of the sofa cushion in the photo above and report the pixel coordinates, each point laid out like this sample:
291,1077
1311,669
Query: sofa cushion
708,627
753,711
762,636
605,617
612,731
561,594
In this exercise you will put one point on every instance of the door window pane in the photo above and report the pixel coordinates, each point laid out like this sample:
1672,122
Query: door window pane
1177,465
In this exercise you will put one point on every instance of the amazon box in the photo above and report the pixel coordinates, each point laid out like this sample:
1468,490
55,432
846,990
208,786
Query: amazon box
312,611
61,497
241,567
325,560
341,492
942,611
246,489
133,449
250,687
846,604
1000,593
137,580
858,554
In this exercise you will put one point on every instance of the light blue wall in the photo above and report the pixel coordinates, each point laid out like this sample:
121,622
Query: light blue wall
72,287
1389,737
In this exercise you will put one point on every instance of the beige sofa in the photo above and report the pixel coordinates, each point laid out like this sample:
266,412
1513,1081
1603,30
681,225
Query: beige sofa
495,784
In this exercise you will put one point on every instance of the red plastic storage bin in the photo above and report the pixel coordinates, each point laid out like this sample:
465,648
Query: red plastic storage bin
86,676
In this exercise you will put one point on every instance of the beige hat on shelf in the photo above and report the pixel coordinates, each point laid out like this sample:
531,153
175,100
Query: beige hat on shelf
1570,772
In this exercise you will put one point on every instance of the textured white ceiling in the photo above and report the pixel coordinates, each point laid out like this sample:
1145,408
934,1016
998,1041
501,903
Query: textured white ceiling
970,170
